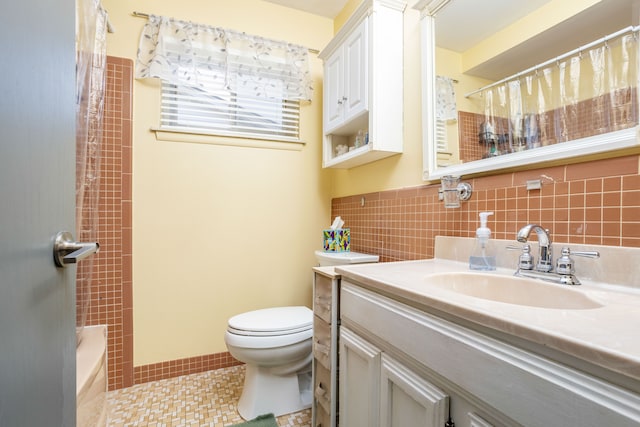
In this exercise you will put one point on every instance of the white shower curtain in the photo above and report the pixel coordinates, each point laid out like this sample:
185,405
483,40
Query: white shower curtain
91,23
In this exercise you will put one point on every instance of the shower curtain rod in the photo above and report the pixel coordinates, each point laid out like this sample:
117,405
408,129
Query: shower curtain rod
146,16
604,39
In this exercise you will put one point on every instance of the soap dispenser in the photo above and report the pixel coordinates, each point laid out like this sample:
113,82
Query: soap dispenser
483,255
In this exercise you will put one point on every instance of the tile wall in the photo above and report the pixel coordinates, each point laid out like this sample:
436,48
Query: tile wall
597,202
191,365
110,301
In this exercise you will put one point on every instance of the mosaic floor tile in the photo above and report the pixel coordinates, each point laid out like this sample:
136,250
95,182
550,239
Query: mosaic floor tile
206,399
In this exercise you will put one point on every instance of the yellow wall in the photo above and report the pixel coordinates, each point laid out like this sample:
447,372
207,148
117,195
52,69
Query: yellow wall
219,230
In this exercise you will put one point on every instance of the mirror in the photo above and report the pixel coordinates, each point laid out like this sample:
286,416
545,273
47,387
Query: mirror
510,47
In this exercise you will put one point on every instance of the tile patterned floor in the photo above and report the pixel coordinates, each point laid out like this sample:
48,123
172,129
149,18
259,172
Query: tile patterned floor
205,399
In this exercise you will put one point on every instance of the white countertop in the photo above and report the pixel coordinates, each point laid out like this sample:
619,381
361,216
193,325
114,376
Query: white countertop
607,336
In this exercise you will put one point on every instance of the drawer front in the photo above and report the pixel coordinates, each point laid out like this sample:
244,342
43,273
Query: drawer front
322,297
322,418
322,387
322,342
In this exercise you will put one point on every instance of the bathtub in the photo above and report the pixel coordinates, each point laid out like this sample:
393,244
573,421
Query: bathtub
91,377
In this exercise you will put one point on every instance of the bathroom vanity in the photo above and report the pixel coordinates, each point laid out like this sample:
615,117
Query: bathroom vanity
430,343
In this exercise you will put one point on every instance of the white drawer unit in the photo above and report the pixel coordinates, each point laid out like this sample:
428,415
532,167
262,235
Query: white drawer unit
326,291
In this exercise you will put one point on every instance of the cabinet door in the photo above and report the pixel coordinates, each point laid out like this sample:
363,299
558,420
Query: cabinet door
333,91
476,420
359,381
406,399
356,72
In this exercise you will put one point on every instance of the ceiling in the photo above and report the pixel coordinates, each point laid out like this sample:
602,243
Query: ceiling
327,8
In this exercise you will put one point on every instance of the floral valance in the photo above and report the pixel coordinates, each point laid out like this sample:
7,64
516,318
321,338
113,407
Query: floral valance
195,55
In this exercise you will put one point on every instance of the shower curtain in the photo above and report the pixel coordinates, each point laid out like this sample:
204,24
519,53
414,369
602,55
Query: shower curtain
91,23
585,93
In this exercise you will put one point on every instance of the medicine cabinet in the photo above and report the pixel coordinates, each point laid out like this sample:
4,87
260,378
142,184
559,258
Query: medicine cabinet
547,80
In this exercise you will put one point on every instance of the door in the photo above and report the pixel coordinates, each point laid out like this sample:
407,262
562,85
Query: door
359,381
37,190
334,91
356,72
406,399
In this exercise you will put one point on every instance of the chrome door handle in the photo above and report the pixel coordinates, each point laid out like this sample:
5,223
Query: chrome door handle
67,251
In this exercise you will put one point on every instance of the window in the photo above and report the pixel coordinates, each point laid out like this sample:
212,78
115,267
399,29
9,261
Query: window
217,81
215,109
441,135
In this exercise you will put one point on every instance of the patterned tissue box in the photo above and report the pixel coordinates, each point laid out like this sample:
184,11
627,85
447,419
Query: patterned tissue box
336,240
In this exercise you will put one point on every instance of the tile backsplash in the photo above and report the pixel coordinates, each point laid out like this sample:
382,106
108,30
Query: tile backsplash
596,202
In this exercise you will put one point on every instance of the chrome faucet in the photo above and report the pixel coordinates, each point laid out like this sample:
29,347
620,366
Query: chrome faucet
545,260
564,273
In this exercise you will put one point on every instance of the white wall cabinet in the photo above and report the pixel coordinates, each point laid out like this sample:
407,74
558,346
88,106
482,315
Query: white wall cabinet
346,80
363,86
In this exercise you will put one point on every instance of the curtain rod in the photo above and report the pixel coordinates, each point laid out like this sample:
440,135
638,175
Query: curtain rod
146,16
604,39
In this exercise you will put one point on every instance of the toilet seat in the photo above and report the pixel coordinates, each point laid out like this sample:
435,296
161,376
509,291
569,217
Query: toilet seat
274,321
270,327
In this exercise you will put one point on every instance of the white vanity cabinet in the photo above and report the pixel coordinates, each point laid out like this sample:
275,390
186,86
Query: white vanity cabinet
359,379
408,399
378,390
363,86
408,366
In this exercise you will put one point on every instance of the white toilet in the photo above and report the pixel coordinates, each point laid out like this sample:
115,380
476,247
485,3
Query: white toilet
275,345
327,259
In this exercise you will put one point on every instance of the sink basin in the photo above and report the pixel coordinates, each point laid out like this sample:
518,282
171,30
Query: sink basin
513,290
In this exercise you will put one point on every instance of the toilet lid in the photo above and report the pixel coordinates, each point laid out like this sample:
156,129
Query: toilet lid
272,321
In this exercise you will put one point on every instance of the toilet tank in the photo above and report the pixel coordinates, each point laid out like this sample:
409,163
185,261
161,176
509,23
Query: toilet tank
326,259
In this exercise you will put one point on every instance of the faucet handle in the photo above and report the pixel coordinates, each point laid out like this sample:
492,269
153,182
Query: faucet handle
586,254
525,260
564,264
